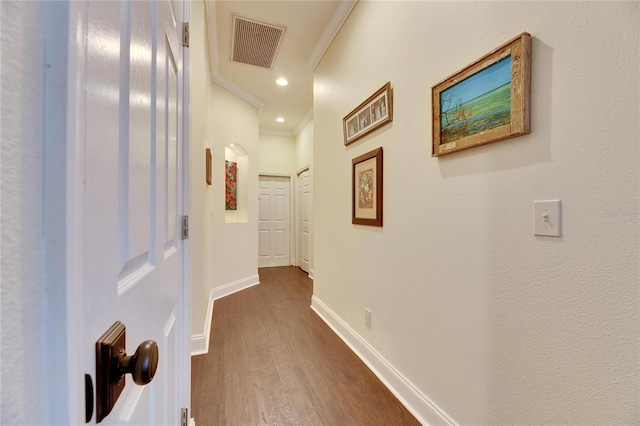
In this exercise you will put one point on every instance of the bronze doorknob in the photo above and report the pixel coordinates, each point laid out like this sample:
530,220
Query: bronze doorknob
142,364
112,363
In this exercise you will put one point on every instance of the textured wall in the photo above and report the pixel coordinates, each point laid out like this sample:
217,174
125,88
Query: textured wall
23,257
493,324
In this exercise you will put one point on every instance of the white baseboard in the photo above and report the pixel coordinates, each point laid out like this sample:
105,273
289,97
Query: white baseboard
310,273
235,286
425,410
200,342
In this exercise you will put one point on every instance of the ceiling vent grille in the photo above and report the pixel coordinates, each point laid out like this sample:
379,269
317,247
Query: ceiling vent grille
255,43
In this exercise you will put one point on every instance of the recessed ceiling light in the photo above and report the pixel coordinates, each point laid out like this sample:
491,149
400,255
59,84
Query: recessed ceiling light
280,120
282,81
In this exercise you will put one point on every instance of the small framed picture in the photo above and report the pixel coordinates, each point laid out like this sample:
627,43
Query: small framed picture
366,189
488,101
376,111
208,165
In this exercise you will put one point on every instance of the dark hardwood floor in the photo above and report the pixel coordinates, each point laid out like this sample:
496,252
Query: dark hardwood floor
273,361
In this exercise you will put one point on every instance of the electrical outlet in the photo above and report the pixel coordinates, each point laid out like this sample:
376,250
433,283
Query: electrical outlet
367,318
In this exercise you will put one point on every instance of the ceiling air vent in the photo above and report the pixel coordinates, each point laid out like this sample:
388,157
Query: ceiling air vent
255,43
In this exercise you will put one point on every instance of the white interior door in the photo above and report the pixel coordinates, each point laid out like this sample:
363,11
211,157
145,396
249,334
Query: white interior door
304,220
133,253
273,221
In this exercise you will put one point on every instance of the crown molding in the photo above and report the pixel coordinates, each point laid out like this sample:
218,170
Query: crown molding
282,133
210,14
216,77
337,20
303,122
290,134
241,93
330,31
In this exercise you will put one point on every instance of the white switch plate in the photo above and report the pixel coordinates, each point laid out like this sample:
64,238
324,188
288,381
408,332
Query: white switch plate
367,318
546,218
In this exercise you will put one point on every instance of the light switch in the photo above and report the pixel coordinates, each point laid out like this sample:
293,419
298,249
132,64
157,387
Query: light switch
546,218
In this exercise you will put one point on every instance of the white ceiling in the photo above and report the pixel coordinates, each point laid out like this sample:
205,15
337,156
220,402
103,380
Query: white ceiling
310,25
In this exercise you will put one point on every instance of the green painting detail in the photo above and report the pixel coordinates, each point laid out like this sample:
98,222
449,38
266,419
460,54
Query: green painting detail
476,104
365,189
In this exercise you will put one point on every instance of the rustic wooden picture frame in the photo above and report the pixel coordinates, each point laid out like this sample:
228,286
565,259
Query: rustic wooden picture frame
366,189
376,111
480,109
208,165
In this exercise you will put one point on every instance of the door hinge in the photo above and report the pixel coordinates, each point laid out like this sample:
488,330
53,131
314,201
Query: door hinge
184,418
185,227
185,34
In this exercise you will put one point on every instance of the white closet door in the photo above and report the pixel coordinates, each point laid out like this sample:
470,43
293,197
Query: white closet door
273,222
304,220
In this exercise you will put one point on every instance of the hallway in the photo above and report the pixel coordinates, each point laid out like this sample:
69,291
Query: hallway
272,360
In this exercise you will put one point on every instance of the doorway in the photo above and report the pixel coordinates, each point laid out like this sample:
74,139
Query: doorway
274,221
304,221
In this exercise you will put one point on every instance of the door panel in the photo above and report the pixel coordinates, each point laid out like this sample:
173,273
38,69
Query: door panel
264,242
273,223
170,97
136,162
281,205
281,245
133,253
170,358
265,206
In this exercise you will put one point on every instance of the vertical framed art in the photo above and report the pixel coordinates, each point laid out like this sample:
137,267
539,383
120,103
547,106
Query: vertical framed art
208,165
366,189
231,188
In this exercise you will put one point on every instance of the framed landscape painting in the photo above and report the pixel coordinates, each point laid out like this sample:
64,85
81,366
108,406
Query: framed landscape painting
486,102
366,189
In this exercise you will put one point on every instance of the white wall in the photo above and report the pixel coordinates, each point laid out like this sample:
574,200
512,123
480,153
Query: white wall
200,196
223,254
22,221
304,147
234,245
34,367
282,155
277,154
492,324
304,159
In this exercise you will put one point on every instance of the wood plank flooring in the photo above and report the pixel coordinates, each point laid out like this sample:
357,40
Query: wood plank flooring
273,361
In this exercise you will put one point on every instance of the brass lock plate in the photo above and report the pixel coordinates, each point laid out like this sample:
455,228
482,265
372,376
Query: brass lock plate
109,380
